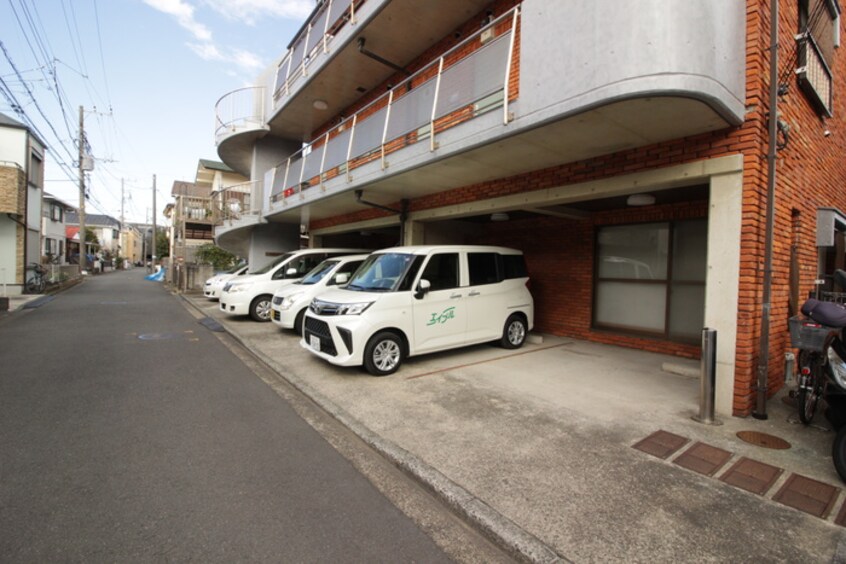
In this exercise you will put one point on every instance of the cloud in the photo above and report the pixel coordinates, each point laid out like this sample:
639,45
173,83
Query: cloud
250,11
184,14
210,52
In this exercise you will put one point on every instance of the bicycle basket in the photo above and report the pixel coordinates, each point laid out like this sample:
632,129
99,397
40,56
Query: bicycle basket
807,334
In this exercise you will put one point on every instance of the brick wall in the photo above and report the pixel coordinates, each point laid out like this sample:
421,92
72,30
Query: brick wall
811,173
12,189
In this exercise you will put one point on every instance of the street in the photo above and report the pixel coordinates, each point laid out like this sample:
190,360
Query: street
128,432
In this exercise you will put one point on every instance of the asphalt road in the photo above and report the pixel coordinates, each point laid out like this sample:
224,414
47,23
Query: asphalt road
128,432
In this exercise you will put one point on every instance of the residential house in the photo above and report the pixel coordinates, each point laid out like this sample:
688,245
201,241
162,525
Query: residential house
131,243
53,230
623,146
105,228
21,189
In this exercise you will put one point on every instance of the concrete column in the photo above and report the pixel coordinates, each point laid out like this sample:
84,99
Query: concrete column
723,278
415,233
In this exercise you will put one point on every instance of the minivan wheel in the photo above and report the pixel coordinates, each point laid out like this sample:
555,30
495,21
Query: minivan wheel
383,354
514,333
260,308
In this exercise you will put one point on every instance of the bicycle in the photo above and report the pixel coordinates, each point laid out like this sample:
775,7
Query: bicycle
37,283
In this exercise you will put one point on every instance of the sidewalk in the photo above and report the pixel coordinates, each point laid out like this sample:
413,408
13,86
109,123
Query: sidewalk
535,447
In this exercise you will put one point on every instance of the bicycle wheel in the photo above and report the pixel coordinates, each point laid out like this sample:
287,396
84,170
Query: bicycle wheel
810,386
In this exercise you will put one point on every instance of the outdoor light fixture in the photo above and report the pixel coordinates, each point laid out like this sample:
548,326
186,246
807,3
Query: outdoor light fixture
499,216
320,105
640,200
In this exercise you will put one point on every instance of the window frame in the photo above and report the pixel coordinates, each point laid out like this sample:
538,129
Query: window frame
668,283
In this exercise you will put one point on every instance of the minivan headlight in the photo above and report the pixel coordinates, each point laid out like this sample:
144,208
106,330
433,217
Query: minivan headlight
353,309
288,301
235,288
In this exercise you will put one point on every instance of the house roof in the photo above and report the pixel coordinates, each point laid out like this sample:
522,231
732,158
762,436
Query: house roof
182,188
92,220
215,165
6,121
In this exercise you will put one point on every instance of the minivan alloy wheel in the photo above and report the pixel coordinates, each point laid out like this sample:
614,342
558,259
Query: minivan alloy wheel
383,354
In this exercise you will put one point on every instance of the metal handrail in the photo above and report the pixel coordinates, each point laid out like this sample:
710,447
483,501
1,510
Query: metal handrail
249,114
235,202
294,69
291,185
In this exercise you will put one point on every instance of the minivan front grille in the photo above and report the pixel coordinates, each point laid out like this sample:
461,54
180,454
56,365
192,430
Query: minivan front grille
319,329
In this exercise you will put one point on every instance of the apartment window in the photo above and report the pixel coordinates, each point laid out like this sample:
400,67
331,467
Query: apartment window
650,279
36,170
55,212
819,36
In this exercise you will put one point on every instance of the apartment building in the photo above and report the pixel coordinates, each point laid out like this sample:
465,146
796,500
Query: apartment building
623,146
21,189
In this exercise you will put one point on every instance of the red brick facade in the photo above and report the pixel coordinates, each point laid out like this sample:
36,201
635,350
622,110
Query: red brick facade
811,173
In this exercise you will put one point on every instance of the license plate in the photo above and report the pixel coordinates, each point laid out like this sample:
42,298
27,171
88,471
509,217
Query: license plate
314,342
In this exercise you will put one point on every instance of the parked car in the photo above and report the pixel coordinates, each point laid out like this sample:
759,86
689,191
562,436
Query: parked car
406,301
291,302
214,285
251,294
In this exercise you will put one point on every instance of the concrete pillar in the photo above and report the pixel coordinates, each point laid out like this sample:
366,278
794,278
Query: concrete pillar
415,232
723,279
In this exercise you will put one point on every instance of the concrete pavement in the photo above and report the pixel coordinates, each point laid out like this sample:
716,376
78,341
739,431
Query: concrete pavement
534,447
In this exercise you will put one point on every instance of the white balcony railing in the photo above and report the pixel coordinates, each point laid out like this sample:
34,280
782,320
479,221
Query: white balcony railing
238,111
236,202
471,79
314,38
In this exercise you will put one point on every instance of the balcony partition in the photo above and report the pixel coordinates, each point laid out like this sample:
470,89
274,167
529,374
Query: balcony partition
472,78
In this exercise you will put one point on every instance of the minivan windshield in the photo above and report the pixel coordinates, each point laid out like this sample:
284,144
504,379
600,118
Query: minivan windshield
318,272
273,264
382,272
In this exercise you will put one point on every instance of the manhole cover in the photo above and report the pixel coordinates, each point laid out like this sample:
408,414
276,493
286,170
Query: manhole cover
763,440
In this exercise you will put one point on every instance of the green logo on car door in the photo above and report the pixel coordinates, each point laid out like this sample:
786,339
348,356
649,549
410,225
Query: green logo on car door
442,317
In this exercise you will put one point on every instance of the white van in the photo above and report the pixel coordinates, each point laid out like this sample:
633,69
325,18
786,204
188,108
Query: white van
252,293
214,285
291,302
406,301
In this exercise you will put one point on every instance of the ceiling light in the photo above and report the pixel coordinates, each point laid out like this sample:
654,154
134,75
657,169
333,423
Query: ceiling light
320,105
640,200
499,216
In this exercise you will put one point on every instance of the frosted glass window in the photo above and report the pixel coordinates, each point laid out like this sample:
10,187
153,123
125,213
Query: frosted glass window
687,311
636,252
631,306
690,242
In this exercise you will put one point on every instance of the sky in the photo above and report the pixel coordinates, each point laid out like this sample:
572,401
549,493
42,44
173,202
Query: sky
147,73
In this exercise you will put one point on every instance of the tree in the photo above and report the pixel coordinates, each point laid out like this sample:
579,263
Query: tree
162,245
219,258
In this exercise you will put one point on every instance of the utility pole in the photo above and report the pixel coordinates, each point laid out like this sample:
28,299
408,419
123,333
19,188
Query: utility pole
82,250
155,230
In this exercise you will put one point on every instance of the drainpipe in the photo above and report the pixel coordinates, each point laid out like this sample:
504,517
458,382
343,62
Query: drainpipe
403,211
764,351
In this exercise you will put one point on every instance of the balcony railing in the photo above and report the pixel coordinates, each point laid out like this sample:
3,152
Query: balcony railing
235,202
194,209
239,110
471,79
814,74
314,38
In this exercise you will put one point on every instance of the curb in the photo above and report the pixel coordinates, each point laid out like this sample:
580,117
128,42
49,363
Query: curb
509,536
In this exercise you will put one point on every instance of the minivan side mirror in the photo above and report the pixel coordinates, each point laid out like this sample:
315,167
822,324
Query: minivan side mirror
341,278
422,288
291,273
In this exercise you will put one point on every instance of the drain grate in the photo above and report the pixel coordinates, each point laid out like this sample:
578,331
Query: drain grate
752,476
703,458
807,495
661,444
763,440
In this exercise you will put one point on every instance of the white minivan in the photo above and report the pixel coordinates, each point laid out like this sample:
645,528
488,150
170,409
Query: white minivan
291,302
251,294
406,301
